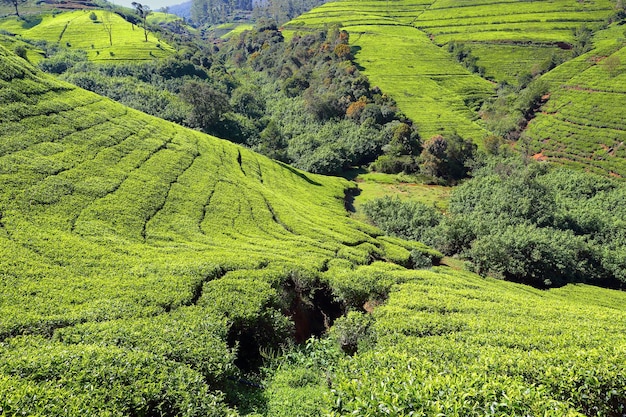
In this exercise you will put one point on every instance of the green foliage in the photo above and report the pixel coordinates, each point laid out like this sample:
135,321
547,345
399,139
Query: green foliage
509,112
537,256
209,105
463,54
63,61
406,219
353,332
447,158
521,222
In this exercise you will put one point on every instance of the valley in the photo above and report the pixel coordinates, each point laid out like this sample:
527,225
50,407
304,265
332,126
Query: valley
378,208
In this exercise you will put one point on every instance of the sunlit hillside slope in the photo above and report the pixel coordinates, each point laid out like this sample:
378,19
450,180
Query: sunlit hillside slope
429,86
403,47
110,216
147,269
76,30
582,124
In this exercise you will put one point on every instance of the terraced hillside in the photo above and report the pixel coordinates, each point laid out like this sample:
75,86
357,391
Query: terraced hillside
145,267
402,47
429,86
582,124
397,44
76,30
512,37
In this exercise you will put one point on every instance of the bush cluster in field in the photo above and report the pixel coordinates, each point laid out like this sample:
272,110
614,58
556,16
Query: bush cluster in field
525,223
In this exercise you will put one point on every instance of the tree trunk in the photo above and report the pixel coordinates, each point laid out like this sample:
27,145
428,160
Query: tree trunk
16,11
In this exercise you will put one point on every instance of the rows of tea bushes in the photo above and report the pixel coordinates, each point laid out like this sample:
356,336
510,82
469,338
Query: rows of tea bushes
429,86
144,266
581,123
452,343
398,45
510,20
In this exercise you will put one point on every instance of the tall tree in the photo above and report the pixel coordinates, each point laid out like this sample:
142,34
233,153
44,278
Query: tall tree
143,11
107,24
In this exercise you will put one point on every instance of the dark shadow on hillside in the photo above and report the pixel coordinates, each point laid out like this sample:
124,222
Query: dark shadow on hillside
354,50
348,200
298,173
352,173
312,310
29,22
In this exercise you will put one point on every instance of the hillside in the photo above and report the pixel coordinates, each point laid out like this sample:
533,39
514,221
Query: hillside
110,214
403,47
77,31
582,124
148,269
429,86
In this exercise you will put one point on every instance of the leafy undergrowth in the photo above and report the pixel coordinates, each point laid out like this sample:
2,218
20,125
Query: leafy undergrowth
77,31
376,185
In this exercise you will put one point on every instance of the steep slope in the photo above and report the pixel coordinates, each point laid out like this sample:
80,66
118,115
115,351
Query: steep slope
511,37
429,86
110,216
400,46
582,124
397,45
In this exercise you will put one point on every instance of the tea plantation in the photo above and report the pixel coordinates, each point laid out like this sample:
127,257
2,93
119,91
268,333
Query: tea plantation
78,30
148,269
404,47
582,124
429,86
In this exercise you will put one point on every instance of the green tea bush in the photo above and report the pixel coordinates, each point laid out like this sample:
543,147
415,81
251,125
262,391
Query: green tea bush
97,380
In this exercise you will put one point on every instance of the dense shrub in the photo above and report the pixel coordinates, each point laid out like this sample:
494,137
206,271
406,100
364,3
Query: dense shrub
523,222
406,219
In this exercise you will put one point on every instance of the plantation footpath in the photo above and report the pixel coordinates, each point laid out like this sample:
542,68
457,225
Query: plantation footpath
149,269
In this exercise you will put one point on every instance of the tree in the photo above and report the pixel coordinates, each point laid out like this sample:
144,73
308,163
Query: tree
107,24
143,11
447,158
15,3
611,65
209,105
